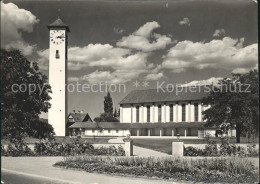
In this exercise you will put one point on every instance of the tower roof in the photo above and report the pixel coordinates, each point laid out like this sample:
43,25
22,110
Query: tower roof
59,23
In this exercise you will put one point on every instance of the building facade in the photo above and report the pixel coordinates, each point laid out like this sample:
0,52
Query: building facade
153,113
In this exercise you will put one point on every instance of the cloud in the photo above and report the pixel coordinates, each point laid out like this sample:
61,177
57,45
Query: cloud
154,76
219,33
118,76
15,21
73,79
212,80
117,65
99,55
118,30
43,59
227,54
144,39
185,21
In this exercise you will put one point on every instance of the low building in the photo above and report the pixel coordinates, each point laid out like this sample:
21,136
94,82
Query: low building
76,119
155,113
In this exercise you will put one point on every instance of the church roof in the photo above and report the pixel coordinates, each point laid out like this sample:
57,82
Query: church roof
59,23
117,125
166,95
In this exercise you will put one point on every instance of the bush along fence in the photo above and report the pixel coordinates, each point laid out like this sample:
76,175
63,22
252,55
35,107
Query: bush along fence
224,149
52,148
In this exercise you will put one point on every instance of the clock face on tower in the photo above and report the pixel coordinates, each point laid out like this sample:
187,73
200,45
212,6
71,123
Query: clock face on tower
57,37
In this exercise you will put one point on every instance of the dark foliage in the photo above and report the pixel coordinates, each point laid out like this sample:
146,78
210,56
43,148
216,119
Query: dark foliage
21,110
234,104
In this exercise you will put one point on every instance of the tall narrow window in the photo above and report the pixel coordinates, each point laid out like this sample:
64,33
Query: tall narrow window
57,55
196,112
183,112
137,114
159,113
148,113
171,112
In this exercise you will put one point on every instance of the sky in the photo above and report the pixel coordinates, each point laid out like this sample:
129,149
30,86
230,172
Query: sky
130,42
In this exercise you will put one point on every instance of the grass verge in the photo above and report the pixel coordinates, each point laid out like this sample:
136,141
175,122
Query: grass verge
210,170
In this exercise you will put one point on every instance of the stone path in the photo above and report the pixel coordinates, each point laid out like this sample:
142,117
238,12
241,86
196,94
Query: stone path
41,167
144,152
139,151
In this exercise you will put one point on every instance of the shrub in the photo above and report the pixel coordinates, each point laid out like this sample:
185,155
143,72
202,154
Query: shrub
225,149
215,170
18,148
52,148
211,149
252,151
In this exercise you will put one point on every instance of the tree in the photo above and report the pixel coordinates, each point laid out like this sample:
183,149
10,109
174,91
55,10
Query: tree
118,113
105,117
108,104
20,106
233,105
115,113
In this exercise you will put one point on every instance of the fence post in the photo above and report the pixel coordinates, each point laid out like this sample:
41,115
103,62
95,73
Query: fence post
177,149
128,147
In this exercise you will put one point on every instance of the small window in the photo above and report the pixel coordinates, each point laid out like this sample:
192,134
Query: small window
93,131
171,112
159,113
183,112
108,131
196,112
148,113
137,114
116,131
57,54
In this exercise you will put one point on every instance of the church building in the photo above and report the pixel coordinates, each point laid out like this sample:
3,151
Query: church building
153,113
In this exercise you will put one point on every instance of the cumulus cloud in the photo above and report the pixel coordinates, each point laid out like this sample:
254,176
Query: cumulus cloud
185,21
118,64
43,59
219,33
212,80
73,79
144,39
154,76
115,77
227,54
118,30
15,21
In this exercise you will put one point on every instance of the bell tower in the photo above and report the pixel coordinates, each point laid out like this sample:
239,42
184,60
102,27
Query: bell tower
58,51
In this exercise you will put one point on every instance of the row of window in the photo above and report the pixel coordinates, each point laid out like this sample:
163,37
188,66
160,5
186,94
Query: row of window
183,106
100,131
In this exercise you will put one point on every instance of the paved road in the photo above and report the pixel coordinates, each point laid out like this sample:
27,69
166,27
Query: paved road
11,177
34,170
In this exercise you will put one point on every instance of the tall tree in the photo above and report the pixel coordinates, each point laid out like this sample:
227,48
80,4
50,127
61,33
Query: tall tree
24,94
118,113
108,105
115,113
233,104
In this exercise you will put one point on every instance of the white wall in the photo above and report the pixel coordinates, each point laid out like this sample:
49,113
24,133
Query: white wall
126,114
156,113
106,132
192,111
177,112
145,114
168,113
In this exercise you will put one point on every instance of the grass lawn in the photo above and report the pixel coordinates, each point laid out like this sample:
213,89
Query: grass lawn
165,145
